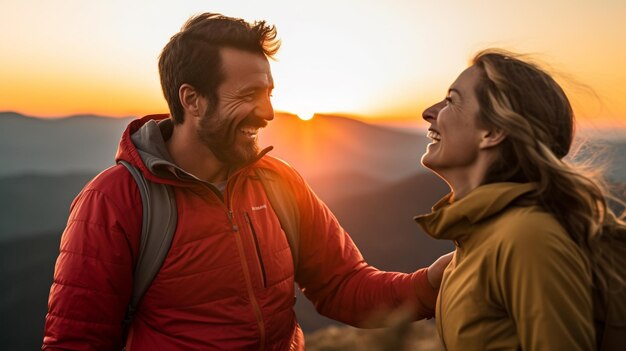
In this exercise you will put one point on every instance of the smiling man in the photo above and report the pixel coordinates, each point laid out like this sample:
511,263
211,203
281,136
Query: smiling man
227,282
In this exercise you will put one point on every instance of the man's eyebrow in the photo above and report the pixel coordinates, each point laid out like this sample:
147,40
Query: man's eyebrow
255,85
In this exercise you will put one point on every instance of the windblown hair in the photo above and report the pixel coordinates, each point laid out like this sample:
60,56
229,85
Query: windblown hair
192,56
521,99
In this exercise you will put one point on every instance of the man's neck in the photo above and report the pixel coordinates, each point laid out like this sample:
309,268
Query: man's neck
194,157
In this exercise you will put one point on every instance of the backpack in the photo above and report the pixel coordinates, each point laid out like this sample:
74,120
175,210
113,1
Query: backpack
160,218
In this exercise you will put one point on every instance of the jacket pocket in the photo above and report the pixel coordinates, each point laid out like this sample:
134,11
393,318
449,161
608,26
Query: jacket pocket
258,250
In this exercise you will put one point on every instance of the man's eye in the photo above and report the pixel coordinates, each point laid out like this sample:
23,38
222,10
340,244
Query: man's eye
448,100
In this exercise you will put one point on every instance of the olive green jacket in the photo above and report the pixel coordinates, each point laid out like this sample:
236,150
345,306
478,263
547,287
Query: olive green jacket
516,282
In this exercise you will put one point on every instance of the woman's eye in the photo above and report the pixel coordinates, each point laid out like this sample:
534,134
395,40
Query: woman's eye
448,100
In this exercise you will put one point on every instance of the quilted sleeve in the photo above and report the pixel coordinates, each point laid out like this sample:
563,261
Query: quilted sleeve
93,273
334,276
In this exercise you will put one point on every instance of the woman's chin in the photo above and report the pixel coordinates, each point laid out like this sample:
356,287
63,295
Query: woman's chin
427,159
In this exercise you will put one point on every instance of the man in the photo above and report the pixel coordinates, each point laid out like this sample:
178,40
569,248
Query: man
228,280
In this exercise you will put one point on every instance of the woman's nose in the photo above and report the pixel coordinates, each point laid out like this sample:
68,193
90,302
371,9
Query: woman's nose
432,112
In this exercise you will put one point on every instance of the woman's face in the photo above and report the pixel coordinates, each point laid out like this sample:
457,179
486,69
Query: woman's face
454,129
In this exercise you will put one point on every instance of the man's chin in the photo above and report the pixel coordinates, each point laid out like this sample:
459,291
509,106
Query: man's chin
240,157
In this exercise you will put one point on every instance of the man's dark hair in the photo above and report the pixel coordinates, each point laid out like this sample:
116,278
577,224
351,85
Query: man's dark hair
192,56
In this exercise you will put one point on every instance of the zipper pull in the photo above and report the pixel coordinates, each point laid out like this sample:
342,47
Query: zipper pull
232,223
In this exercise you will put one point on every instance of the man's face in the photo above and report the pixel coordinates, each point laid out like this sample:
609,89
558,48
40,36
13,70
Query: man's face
230,129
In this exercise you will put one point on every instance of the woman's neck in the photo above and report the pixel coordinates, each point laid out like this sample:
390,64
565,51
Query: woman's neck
463,181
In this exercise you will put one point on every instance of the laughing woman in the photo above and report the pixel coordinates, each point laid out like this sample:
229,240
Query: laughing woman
529,228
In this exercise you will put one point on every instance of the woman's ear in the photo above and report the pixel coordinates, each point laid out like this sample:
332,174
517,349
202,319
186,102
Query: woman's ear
190,99
491,138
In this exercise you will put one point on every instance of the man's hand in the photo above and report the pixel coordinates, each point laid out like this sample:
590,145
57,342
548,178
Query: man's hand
435,270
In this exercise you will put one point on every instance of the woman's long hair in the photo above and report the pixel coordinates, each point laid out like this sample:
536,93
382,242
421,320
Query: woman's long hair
525,102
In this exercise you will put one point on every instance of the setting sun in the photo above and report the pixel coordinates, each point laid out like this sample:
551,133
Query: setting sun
305,116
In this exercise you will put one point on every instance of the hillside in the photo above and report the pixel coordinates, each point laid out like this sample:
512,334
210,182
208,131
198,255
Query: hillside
65,145
26,269
317,148
381,223
37,203
328,145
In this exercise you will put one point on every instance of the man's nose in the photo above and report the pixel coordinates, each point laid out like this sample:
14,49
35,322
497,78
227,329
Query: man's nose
265,109
431,113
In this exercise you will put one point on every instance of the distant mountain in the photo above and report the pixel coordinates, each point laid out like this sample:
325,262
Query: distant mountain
32,203
381,222
610,155
616,173
26,270
330,188
320,147
327,146
66,145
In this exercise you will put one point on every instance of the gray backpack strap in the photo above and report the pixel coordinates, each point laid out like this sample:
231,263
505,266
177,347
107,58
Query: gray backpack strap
284,203
157,230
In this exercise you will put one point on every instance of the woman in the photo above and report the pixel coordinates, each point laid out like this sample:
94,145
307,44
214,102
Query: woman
530,230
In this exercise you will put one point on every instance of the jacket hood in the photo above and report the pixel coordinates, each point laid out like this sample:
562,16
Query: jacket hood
451,220
143,144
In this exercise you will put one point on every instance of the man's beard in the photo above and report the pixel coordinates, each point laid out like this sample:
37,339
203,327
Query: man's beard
220,136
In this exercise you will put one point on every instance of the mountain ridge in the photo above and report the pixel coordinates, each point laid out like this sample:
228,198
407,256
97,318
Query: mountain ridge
321,146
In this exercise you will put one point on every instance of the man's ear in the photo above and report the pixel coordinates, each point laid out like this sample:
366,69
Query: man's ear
191,100
491,138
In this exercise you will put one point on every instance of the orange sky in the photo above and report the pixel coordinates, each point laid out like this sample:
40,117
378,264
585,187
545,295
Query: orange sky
368,58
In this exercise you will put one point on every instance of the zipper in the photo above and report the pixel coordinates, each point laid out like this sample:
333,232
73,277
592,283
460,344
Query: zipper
225,201
440,319
244,265
258,250
440,304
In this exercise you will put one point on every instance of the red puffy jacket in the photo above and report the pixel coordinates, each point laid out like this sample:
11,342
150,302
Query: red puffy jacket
227,282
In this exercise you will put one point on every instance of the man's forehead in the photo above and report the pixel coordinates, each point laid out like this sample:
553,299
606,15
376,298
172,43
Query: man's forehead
245,68
244,61
254,80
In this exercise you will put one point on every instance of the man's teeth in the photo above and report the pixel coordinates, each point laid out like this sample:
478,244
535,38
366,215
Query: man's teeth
249,131
433,135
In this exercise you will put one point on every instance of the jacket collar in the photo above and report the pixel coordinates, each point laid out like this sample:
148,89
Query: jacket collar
451,220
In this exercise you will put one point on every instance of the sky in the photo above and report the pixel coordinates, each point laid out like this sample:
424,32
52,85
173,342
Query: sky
368,58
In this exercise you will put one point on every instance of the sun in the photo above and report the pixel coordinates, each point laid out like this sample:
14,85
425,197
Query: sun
305,115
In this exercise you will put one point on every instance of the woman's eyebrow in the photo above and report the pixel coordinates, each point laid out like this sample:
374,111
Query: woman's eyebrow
453,90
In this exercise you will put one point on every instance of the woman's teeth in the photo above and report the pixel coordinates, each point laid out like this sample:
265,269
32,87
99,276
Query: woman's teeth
436,137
